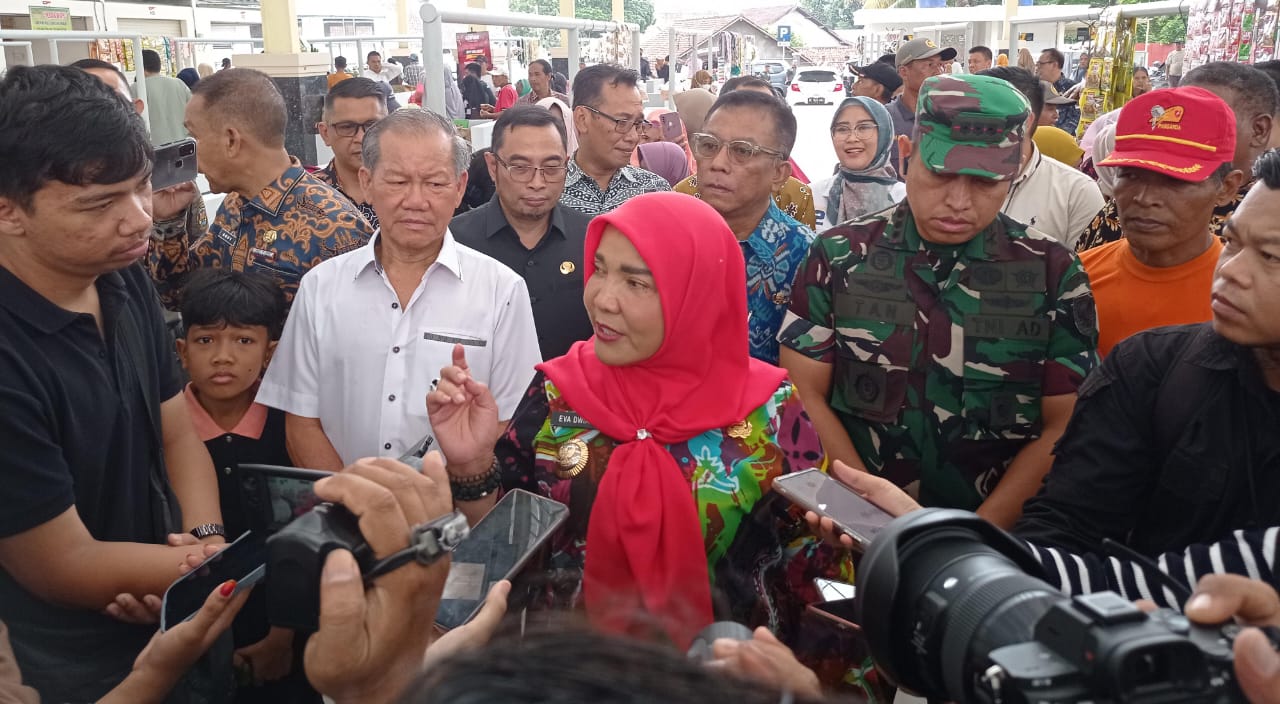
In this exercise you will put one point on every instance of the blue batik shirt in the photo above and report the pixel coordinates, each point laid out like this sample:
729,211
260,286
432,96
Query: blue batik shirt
773,253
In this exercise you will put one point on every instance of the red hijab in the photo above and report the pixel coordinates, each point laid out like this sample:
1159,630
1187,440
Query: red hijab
646,559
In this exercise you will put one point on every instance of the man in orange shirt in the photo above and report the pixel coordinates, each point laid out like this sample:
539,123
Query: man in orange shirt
1174,150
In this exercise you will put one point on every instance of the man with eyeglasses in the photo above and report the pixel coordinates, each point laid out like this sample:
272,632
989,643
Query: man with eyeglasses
525,227
940,345
742,156
276,218
371,329
1049,68
350,109
608,112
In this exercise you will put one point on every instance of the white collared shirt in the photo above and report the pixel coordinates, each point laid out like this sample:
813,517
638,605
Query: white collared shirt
1054,199
389,73
352,358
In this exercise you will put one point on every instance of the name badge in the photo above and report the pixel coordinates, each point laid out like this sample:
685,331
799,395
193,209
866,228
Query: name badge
226,237
568,419
263,255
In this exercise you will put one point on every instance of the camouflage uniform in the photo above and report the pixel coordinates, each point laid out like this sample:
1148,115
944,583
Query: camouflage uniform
942,354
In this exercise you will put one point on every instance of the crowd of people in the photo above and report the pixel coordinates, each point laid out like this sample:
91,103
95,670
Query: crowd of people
648,316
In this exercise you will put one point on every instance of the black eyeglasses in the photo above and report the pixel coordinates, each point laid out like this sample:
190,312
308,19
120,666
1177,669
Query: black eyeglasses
621,124
523,173
349,129
706,146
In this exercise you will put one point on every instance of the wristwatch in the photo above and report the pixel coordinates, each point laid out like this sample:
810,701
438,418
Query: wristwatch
204,530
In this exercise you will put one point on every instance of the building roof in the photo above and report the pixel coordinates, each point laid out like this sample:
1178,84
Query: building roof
835,56
769,16
656,41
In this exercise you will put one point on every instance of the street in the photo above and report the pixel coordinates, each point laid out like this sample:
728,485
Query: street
813,151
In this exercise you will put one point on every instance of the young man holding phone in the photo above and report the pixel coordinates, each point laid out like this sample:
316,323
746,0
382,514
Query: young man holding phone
101,463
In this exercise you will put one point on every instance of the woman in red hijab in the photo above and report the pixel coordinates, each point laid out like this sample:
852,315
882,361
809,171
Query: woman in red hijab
661,434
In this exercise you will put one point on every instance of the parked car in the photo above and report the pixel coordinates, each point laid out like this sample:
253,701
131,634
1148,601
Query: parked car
816,87
775,72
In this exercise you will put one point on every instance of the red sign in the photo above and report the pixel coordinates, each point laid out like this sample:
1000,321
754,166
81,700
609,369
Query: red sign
472,46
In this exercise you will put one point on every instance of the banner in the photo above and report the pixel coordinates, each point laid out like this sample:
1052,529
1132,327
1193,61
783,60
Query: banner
471,47
50,18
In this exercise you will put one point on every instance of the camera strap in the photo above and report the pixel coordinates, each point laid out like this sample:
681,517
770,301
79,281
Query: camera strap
427,544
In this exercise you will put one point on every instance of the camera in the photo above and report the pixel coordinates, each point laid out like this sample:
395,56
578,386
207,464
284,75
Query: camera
955,609
295,558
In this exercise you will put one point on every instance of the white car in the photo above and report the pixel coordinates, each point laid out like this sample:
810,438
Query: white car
816,86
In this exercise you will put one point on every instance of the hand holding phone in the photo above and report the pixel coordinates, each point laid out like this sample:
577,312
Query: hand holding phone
672,126
175,163
244,561
498,547
814,491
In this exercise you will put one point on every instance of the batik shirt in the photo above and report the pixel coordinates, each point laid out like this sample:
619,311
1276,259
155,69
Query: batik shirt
1068,115
329,175
1106,224
583,194
941,355
293,224
761,556
773,254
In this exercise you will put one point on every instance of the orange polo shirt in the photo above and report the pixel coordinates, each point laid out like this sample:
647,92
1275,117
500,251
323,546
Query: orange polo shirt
1131,296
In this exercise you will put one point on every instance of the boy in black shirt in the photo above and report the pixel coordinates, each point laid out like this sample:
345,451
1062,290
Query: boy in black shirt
232,321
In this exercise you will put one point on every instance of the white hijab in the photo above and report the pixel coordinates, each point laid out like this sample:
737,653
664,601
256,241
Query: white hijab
567,115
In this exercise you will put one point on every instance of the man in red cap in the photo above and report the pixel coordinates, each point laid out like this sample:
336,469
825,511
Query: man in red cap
1173,440
1174,150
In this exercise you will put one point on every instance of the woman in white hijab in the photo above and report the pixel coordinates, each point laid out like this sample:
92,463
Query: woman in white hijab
559,107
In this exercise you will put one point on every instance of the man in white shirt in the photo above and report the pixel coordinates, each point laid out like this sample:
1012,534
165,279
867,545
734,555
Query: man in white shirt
1047,195
378,71
1173,65
370,330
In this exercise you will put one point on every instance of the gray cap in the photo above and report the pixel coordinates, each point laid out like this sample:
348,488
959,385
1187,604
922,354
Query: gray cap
922,48
1052,96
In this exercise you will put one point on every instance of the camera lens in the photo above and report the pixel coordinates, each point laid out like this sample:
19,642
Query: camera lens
187,150
934,598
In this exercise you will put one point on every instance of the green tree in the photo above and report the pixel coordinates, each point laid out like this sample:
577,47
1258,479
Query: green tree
836,14
546,8
639,12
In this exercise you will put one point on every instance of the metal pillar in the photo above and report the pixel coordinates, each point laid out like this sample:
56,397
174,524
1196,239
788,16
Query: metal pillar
433,70
574,54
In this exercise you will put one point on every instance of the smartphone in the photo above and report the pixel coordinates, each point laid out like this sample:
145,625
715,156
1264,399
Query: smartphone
813,490
831,590
672,126
175,163
274,495
245,561
498,547
840,612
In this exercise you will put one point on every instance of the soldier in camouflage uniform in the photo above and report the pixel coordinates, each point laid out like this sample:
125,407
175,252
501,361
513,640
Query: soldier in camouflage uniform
939,343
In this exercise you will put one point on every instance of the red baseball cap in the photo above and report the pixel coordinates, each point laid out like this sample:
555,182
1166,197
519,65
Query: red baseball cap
1184,133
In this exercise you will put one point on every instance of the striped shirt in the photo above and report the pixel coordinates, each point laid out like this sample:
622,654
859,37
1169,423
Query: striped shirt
1250,553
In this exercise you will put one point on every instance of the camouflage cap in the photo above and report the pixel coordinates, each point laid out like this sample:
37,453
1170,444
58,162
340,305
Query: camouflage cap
971,125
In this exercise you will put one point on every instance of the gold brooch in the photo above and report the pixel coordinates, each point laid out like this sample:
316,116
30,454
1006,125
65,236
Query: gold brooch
269,237
567,268
572,458
740,430
779,298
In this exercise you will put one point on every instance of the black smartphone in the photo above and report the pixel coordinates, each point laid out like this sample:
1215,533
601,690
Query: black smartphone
813,490
245,561
840,612
274,495
175,163
498,547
